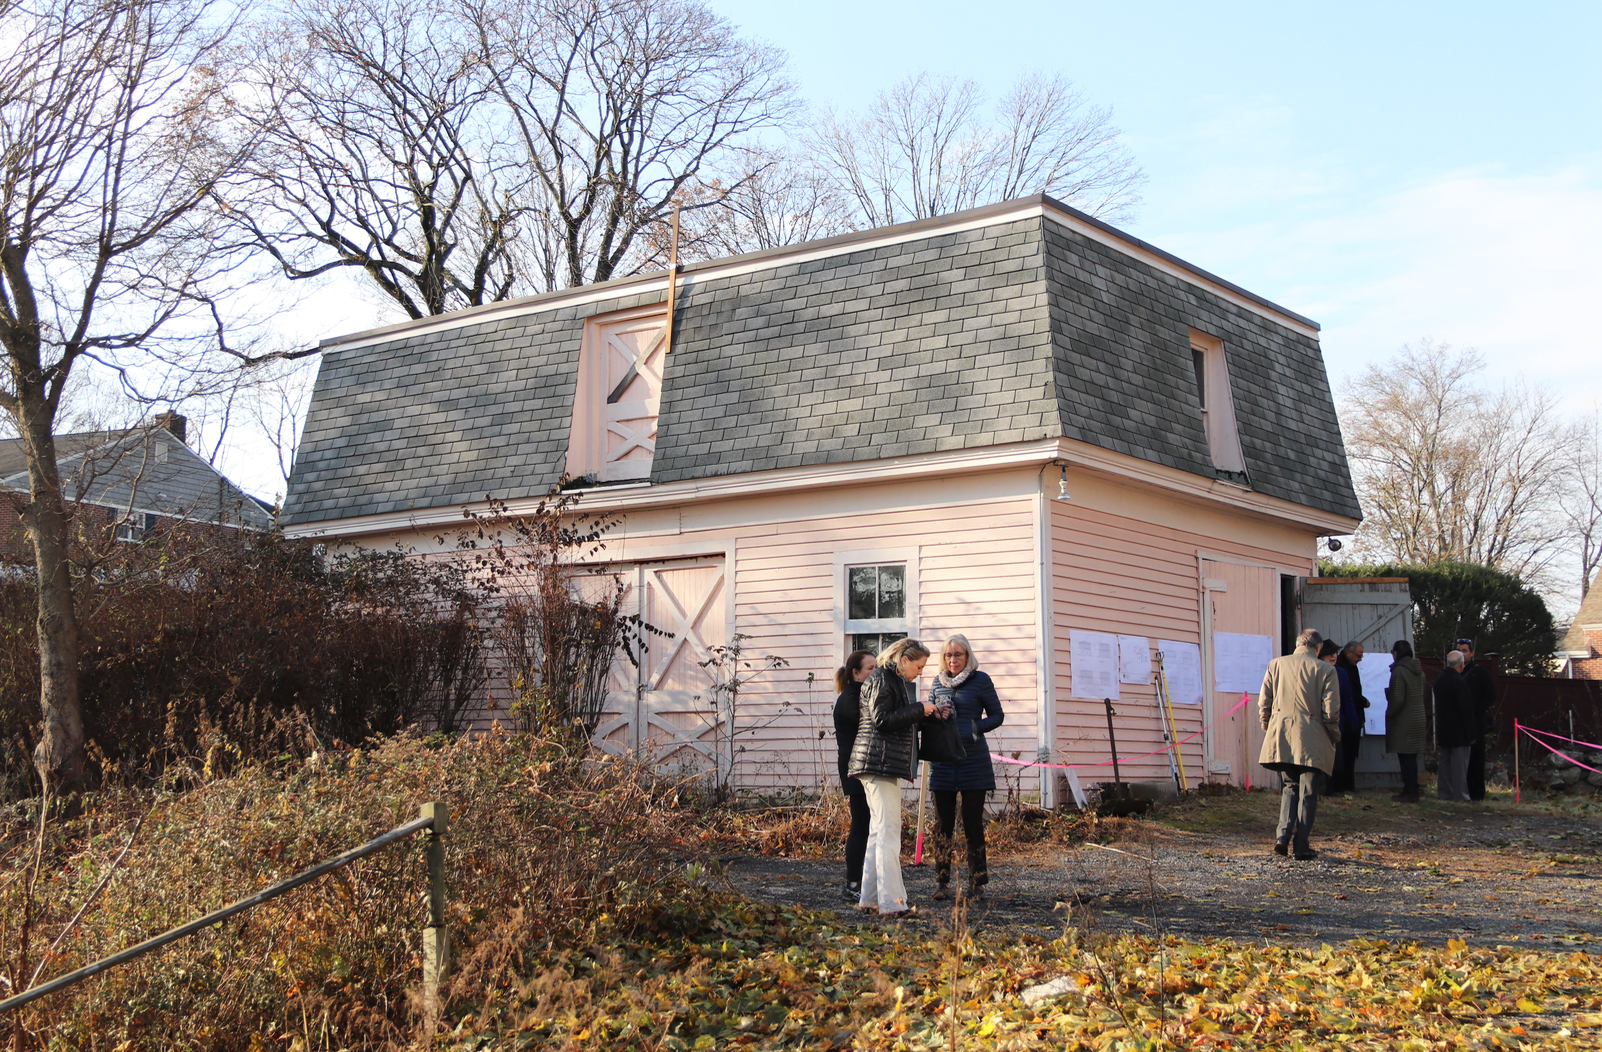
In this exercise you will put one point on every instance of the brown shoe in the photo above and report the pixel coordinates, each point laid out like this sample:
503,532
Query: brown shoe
1281,849
1405,798
941,893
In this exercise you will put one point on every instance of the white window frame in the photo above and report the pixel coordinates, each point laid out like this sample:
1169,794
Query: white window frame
846,627
1218,404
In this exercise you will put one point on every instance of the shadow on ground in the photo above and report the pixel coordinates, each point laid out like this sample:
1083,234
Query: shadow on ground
1499,872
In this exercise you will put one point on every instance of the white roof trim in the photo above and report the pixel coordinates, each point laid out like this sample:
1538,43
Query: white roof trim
1079,455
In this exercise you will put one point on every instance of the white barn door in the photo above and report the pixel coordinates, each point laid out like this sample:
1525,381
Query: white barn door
666,708
633,354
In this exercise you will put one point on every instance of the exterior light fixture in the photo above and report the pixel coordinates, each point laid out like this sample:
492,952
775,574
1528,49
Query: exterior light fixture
1062,484
1334,545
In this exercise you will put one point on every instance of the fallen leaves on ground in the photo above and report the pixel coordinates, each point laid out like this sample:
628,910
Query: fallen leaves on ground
761,976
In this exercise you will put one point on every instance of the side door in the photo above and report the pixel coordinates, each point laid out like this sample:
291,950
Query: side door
1240,599
1376,612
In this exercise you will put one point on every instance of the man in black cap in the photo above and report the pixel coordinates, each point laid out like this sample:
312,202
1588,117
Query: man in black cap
1482,693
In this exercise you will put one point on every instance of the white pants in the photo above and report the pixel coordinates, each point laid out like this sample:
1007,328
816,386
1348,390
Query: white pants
881,868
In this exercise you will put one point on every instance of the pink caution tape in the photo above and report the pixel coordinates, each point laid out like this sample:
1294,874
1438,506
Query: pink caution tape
1245,699
1560,752
1548,734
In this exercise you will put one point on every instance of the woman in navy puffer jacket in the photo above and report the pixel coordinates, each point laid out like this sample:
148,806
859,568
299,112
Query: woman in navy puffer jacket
977,711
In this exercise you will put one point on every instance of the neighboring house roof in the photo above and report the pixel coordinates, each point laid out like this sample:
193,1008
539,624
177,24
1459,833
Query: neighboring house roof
143,471
1007,324
1590,614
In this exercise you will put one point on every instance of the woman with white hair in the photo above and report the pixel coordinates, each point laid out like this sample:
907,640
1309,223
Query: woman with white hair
977,709
885,752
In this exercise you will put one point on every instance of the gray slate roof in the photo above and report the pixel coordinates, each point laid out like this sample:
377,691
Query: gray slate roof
151,469
1038,330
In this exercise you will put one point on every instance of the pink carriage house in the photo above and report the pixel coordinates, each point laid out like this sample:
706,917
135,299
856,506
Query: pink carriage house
1015,422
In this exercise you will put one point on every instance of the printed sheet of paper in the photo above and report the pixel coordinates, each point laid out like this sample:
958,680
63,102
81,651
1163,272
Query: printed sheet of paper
1134,659
1239,662
1182,667
1094,669
1376,672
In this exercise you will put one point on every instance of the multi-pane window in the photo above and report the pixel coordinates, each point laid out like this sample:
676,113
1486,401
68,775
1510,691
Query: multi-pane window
134,526
876,606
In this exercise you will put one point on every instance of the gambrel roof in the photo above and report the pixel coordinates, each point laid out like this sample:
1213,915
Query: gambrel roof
1007,324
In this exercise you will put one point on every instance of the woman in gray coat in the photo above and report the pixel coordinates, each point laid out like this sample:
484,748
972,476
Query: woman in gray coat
885,752
1404,717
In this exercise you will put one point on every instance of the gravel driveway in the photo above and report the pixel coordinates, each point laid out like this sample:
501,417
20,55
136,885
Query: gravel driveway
1492,873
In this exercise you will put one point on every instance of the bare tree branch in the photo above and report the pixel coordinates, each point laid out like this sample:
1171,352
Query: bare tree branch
925,147
1449,472
111,135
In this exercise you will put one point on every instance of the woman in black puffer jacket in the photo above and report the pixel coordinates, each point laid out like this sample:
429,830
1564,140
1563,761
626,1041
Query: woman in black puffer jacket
848,681
977,710
885,752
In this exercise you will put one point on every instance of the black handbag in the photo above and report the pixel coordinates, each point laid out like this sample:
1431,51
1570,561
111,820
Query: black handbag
939,742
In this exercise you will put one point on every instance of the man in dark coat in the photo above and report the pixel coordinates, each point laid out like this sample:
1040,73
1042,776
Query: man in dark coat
1351,732
1454,730
1482,688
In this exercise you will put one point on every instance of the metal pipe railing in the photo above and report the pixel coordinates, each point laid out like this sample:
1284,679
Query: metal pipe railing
432,819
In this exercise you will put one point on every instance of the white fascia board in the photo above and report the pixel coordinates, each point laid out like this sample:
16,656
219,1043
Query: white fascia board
772,260
1573,654
1078,455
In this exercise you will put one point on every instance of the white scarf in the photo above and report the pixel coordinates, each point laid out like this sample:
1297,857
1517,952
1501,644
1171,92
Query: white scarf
948,680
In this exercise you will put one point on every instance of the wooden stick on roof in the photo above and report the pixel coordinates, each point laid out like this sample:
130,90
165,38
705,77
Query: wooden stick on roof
673,281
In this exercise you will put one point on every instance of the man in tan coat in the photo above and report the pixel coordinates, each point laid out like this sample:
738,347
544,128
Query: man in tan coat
1300,707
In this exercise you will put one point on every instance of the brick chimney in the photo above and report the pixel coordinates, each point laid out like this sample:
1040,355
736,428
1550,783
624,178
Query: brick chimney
174,423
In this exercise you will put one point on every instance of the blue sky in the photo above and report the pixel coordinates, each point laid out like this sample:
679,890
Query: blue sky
1393,171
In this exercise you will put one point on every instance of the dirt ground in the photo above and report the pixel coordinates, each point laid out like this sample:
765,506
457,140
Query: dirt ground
1493,873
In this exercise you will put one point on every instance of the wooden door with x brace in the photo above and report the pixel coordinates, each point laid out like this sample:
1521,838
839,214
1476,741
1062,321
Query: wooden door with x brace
665,707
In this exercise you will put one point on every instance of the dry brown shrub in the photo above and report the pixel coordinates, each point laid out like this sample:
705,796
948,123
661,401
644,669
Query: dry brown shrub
550,853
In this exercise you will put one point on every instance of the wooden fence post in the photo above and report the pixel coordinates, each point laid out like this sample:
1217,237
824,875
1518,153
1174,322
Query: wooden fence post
436,941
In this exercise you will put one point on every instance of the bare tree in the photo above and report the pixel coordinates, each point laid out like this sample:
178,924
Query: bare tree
620,106
382,153
1581,497
928,147
109,143
1449,472
779,201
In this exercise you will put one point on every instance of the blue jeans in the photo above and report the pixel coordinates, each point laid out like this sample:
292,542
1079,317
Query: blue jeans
1298,806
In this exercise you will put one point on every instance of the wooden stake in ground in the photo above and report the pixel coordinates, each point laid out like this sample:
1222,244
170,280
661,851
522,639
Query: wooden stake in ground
923,795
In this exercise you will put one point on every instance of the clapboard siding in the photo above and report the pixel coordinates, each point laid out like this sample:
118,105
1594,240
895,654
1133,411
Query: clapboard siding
1138,575
975,576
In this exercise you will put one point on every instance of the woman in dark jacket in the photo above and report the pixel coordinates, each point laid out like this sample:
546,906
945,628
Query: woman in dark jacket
847,714
886,751
977,710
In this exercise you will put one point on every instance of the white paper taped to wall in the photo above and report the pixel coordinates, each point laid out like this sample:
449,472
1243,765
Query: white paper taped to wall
1094,664
1134,659
1182,667
1375,670
1239,662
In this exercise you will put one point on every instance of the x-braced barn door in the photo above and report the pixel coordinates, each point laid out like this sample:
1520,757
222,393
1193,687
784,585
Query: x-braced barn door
666,707
633,355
